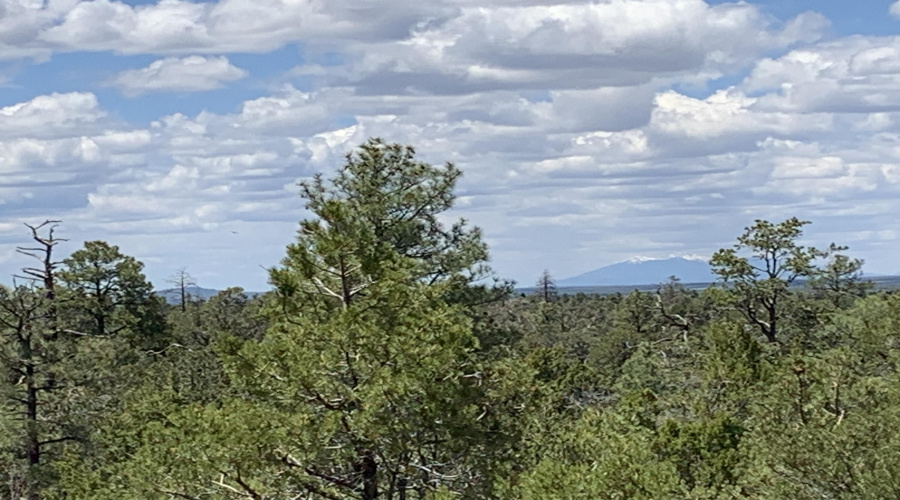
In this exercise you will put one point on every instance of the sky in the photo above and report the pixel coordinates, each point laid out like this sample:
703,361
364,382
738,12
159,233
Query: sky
588,132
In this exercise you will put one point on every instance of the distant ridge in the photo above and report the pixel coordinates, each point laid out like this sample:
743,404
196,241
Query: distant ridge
644,271
173,295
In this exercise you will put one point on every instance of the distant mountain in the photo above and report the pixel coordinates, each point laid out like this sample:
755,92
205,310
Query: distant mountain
173,295
644,271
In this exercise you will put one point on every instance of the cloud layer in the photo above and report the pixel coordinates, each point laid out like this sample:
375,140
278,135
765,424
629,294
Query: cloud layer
589,132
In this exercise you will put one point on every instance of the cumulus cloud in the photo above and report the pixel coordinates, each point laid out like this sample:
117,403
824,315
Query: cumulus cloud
648,32
21,23
188,74
52,115
36,29
894,9
531,164
575,45
851,75
587,123
55,149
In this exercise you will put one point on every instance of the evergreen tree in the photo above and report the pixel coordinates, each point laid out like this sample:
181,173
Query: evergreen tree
107,294
366,384
840,279
56,378
399,199
761,282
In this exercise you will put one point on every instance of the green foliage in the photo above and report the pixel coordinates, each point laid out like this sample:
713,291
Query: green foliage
363,340
398,385
840,280
394,199
367,380
606,456
760,282
31,356
233,313
826,430
705,453
733,361
58,379
106,293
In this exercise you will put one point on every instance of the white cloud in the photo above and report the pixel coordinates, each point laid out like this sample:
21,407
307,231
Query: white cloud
725,120
585,123
21,22
894,9
635,36
51,115
55,149
30,28
574,45
850,75
188,74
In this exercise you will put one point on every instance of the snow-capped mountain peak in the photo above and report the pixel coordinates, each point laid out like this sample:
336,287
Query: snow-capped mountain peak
639,258
646,271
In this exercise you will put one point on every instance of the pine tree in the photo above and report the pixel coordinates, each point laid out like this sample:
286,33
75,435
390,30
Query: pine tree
761,282
35,354
106,293
365,384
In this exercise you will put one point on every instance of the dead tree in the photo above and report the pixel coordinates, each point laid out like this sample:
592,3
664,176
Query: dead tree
29,332
182,281
546,287
45,274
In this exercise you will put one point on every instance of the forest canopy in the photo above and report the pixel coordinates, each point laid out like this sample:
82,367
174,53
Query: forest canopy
388,361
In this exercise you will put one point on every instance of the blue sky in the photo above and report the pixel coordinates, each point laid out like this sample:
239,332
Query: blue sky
588,132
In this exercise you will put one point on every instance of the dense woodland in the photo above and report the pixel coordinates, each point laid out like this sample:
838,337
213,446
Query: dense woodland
389,362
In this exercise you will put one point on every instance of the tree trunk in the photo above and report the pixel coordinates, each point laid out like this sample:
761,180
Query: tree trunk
771,333
369,471
401,488
32,440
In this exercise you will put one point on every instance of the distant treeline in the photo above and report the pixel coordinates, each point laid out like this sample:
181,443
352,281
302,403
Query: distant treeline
878,283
